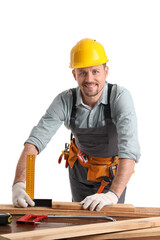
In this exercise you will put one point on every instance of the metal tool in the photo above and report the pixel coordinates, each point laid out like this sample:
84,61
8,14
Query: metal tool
82,157
65,154
30,171
5,218
30,176
43,202
31,219
105,181
84,216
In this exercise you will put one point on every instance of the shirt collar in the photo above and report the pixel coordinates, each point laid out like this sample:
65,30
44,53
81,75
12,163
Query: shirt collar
103,99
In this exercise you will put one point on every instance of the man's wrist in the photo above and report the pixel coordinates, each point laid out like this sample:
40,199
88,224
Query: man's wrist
18,182
114,193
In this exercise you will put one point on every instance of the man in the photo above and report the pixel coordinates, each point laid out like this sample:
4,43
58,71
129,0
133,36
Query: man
102,120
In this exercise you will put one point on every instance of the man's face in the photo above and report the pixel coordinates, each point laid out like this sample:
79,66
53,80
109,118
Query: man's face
91,80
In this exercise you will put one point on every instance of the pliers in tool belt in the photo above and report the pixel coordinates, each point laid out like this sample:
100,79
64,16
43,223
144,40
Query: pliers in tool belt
65,154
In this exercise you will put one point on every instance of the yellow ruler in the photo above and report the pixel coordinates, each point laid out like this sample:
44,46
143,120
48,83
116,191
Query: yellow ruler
30,172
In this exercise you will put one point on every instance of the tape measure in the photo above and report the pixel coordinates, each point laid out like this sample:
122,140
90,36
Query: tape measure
30,171
5,218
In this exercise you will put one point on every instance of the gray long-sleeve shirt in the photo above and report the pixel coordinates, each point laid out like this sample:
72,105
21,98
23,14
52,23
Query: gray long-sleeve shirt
122,113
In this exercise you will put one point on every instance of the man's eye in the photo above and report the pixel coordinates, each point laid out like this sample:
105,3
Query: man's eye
95,71
83,73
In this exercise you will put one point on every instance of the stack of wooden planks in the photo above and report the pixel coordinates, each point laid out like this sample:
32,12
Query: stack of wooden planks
132,223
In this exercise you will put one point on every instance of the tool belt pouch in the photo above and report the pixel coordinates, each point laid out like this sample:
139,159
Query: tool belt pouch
72,153
66,155
97,167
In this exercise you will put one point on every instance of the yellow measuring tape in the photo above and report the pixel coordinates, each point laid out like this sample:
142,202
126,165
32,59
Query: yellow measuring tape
30,171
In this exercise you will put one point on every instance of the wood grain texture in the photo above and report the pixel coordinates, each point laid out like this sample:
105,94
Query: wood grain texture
85,230
146,233
78,206
119,210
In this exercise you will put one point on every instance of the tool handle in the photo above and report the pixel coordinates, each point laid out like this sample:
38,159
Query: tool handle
100,190
60,158
27,218
5,218
39,217
66,164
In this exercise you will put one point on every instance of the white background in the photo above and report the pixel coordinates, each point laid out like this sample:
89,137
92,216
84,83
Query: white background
35,42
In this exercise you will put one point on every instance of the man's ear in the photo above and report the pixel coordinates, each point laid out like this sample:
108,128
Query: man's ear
74,74
106,70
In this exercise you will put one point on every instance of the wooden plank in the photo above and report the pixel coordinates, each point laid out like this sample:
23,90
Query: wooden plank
142,233
149,232
119,210
115,208
147,210
84,230
68,208
78,206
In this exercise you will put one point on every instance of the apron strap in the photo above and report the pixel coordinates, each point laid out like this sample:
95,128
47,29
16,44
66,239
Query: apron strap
107,109
73,113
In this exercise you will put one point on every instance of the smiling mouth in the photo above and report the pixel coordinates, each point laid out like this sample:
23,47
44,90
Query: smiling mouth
89,85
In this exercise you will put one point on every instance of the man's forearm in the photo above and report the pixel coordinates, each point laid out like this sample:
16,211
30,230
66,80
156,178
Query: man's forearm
124,172
20,175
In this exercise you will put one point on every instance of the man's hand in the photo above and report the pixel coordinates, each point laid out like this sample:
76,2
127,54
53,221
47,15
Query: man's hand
98,201
19,196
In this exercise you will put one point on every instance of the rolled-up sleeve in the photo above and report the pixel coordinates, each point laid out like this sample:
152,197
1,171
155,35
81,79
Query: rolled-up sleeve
55,115
124,117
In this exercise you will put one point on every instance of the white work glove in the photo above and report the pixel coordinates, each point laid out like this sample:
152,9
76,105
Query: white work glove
99,200
19,196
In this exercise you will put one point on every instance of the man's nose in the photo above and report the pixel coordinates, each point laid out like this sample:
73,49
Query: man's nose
89,77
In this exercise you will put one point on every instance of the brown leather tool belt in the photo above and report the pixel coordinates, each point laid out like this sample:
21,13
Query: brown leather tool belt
97,166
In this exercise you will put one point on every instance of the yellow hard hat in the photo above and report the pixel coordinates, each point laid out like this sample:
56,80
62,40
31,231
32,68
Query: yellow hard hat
86,53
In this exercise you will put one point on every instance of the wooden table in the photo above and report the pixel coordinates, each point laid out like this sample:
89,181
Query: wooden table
45,224
120,213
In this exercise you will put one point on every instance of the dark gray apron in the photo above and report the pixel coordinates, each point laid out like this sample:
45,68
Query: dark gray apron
97,142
